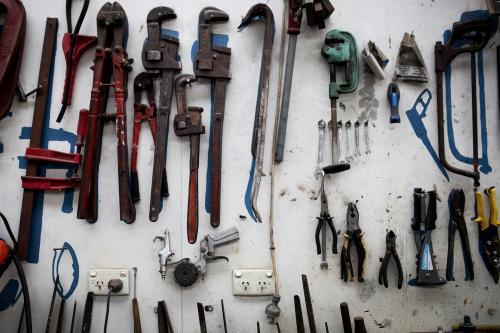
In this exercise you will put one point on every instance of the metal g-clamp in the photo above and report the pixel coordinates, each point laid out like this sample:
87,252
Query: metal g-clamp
165,253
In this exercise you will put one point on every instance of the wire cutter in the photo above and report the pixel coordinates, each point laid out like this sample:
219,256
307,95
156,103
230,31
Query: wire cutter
390,241
489,243
324,219
353,234
143,83
456,203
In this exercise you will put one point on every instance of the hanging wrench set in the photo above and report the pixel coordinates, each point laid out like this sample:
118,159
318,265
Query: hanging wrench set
346,133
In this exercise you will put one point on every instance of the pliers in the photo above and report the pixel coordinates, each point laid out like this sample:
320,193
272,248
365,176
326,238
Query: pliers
143,83
456,203
353,234
324,219
390,240
489,243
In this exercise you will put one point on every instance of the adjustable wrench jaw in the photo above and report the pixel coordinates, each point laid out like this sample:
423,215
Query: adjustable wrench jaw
187,121
161,14
211,61
210,15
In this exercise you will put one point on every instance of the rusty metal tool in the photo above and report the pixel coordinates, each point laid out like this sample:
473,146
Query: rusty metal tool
259,11
340,50
12,46
164,322
317,12
42,97
212,62
456,203
87,313
187,122
348,138
427,269
489,241
74,46
466,37
346,318
159,55
299,320
353,234
309,308
135,306
111,66
201,317
143,83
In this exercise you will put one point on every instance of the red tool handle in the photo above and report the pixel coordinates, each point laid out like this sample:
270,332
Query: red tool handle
294,16
192,210
81,44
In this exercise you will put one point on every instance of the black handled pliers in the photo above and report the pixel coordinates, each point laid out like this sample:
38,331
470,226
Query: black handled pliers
456,203
353,234
324,217
390,241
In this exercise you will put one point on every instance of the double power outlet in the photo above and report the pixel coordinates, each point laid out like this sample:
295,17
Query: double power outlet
253,282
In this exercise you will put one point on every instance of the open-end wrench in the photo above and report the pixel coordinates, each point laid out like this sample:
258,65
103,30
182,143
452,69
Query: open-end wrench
340,144
367,139
319,170
348,129
356,139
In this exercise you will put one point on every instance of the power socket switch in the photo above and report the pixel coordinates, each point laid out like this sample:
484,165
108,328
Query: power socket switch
99,278
253,282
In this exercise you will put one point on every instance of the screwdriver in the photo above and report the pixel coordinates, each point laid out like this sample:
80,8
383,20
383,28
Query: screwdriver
393,96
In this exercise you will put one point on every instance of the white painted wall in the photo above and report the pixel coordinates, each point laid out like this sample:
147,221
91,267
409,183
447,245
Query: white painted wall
382,181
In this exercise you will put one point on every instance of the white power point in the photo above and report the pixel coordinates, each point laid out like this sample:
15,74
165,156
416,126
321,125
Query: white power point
99,278
253,282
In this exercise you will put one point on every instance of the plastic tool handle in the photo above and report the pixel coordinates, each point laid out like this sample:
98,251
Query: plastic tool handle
393,96
492,199
479,208
430,219
222,238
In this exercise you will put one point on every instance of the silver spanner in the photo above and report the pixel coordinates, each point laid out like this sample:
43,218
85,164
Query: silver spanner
340,144
367,139
319,170
165,253
356,139
348,129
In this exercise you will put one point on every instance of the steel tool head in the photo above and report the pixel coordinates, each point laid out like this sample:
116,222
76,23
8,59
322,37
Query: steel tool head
352,217
161,14
390,240
143,82
209,15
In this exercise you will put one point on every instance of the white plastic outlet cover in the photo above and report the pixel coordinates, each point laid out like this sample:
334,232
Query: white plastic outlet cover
99,278
253,282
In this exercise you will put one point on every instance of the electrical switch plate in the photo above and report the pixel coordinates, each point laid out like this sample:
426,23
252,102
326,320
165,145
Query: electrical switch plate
99,278
253,282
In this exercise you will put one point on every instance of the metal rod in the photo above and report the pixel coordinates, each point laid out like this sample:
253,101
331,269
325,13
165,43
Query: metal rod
308,301
475,154
201,317
298,315
285,99
51,310
346,318
223,315
73,318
